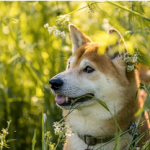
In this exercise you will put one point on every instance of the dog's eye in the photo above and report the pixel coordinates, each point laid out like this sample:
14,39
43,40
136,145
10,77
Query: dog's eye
88,69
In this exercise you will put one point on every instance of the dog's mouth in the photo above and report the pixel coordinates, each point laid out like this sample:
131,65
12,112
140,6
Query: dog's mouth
67,101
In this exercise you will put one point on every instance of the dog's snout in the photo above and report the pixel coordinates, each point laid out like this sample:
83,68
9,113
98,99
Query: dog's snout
55,83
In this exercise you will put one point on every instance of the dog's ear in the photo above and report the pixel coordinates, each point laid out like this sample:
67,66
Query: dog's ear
78,37
115,44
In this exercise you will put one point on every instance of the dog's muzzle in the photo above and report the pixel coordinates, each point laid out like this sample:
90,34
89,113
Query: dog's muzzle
64,100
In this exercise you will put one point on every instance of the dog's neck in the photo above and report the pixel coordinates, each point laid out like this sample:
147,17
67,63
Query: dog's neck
95,120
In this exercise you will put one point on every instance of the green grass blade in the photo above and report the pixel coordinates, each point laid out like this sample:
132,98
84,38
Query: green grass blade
103,104
43,142
131,11
34,140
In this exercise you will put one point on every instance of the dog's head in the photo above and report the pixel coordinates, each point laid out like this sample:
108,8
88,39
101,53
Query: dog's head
94,70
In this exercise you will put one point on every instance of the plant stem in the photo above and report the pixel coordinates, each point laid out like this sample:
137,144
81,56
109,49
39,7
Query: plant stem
119,6
131,11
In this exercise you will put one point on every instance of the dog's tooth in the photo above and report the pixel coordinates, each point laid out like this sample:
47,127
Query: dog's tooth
66,99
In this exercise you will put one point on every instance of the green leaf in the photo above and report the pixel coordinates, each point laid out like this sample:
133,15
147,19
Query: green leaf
43,142
103,104
34,140
10,140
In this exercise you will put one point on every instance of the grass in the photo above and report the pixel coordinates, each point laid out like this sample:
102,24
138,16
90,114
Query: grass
132,144
46,135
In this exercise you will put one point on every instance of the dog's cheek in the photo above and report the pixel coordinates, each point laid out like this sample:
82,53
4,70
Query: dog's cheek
93,77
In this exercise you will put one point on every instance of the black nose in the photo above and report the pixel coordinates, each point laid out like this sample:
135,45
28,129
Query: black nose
55,83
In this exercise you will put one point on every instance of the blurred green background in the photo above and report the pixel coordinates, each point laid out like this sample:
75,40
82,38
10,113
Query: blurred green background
30,56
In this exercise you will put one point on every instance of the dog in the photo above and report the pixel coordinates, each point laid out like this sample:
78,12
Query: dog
97,71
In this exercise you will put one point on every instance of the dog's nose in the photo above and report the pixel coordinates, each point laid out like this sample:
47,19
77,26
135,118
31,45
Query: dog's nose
55,83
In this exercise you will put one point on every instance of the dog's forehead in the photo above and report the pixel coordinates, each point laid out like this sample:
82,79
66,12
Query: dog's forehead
85,51
72,59
88,54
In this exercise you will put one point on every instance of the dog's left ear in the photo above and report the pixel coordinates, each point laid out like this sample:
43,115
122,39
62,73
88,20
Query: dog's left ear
78,37
115,44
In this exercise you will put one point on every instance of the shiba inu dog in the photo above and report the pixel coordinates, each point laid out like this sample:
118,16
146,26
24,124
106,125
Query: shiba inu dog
97,71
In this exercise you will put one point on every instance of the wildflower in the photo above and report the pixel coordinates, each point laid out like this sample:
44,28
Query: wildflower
63,35
55,33
69,132
55,124
2,143
57,127
63,20
4,131
54,27
67,17
57,130
130,68
135,58
62,129
52,146
131,60
128,58
46,25
48,134
50,29
58,32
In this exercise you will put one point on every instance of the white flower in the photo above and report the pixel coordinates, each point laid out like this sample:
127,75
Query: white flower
44,117
63,35
55,33
128,59
58,32
46,25
57,130
62,129
130,68
69,132
67,19
56,124
50,29
135,58
54,27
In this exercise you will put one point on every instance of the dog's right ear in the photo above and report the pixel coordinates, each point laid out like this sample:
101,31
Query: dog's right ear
78,37
115,44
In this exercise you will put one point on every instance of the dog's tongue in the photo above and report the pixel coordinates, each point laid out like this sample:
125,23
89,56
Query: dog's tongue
59,99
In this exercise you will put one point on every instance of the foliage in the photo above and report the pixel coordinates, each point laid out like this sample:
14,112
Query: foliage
3,141
30,56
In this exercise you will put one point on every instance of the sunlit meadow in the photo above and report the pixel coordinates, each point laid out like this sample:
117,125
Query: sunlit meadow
34,46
